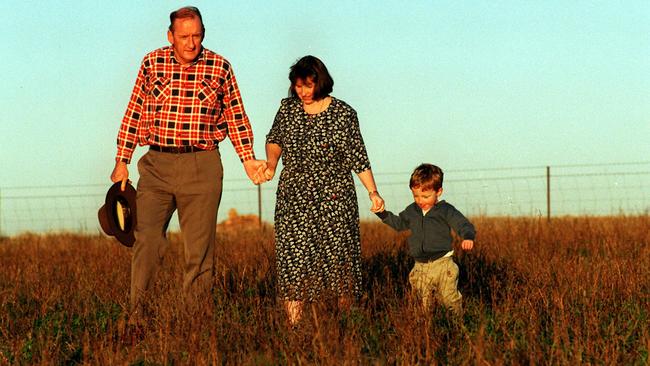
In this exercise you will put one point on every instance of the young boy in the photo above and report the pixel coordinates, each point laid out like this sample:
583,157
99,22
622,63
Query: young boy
430,242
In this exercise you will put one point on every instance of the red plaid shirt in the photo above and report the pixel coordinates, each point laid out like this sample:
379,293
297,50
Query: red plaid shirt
195,106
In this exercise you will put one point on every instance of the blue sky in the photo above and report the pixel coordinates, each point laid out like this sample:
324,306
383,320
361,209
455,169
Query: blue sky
463,84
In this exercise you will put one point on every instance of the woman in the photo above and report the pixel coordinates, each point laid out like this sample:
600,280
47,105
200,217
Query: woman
318,251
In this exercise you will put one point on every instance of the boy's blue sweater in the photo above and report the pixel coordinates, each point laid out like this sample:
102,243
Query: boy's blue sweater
430,234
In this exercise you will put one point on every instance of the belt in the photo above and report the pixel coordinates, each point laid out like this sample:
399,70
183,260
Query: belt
175,149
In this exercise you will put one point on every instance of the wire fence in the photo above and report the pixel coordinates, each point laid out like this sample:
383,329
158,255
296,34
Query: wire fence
589,189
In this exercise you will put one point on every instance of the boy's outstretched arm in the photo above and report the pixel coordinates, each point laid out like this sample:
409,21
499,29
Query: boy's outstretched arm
399,223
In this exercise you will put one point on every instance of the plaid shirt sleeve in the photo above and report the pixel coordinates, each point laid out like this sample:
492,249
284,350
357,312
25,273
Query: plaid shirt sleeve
239,128
128,134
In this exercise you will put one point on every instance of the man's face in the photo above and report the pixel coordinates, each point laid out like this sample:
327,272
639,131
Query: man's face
186,39
425,199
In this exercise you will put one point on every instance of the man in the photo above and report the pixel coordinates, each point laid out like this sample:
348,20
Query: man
184,102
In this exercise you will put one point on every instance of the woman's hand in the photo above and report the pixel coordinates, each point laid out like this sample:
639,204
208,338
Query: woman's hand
377,202
269,172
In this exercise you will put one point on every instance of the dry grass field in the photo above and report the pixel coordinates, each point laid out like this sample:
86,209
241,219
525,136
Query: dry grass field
573,291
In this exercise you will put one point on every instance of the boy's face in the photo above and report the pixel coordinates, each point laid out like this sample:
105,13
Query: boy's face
425,199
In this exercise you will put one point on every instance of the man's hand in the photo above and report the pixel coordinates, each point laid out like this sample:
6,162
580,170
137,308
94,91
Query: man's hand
377,202
467,244
255,170
120,173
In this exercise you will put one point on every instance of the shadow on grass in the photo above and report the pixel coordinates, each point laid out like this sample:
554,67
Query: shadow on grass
385,278
486,280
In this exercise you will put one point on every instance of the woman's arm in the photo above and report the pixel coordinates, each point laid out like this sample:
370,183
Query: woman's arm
273,153
368,181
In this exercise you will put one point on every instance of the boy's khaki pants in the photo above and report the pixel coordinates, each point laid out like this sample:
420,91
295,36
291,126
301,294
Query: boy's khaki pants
439,279
190,183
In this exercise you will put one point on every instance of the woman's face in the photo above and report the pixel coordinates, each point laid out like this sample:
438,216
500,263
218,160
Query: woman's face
305,90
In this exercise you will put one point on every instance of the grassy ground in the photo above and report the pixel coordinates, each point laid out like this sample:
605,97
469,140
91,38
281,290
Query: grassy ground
575,291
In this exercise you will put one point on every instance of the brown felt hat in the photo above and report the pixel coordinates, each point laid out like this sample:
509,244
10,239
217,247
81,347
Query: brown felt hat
117,216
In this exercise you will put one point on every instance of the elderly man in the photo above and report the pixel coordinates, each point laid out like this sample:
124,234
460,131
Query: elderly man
185,101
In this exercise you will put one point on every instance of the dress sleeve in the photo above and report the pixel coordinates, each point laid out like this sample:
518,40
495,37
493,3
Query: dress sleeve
357,157
276,134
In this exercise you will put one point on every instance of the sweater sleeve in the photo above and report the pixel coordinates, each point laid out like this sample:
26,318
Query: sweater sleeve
399,223
460,224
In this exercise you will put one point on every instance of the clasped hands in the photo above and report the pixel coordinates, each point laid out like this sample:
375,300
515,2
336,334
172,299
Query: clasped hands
259,171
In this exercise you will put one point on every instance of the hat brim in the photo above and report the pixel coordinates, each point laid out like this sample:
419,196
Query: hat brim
118,215
103,220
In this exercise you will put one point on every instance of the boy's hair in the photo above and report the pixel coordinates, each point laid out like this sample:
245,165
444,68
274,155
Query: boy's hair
427,177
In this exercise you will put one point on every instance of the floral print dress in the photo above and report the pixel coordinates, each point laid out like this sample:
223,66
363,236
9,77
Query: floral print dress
318,250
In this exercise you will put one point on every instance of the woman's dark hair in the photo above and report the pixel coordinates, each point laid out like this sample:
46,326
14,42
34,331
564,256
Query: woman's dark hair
311,67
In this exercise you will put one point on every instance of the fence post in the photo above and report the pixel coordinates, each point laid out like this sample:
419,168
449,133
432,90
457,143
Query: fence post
548,193
259,204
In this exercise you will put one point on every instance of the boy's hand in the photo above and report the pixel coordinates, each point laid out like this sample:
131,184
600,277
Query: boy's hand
467,244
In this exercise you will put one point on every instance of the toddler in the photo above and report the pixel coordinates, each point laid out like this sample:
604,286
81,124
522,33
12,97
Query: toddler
430,243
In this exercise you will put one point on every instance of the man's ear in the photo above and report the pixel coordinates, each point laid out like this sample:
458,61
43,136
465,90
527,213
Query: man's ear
439,193
170,37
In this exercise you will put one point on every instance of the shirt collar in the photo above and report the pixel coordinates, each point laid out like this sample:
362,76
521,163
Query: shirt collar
431,210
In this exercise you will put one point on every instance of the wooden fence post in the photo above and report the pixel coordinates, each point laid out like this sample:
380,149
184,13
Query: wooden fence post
259,204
